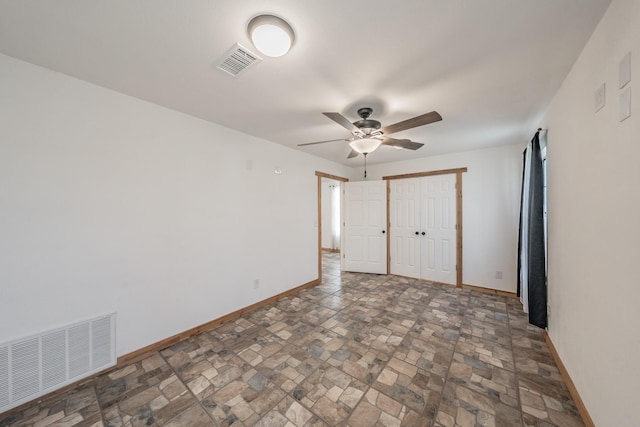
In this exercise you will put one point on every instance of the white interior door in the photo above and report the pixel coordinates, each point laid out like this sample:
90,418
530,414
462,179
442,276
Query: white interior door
404,213
365,216
438,244
423,228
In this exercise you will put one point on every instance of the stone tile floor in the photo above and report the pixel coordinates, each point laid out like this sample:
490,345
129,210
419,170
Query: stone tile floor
356,350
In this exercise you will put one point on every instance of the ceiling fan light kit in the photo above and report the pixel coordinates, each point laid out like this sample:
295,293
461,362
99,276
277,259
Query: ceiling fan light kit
365,145
271,35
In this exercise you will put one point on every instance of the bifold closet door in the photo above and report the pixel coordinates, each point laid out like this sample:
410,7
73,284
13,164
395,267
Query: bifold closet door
365,228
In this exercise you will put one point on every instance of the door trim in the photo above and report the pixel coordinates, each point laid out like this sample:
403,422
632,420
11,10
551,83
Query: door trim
321,175
458,173
459,228
429,173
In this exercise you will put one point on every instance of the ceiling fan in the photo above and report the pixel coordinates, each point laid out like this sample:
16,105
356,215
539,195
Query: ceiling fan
367,134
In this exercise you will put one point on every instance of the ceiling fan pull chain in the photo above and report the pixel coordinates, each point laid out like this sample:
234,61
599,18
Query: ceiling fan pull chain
365,165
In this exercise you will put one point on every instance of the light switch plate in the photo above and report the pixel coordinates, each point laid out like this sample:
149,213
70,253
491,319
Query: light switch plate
625,103
624,71
600,97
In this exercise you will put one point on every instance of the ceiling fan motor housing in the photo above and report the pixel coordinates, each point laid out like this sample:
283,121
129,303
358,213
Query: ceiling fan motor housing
365,123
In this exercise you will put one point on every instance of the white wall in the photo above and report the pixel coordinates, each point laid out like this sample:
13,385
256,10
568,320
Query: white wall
109,203
594,226
490,204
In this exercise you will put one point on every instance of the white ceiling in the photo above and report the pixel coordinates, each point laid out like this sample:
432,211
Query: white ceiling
489,67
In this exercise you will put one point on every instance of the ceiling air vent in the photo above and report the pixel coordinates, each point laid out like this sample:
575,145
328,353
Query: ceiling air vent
237,59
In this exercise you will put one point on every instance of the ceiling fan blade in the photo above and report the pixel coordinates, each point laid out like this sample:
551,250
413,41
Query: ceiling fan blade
404,143
342,121
352,154
320,142
424,119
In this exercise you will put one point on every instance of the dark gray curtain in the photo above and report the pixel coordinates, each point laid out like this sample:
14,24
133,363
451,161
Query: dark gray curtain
533,228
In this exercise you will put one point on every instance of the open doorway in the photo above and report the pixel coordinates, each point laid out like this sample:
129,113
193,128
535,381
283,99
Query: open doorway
330,180
330,215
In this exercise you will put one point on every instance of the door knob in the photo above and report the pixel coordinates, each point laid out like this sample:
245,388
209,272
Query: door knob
417,233
423,233
384,231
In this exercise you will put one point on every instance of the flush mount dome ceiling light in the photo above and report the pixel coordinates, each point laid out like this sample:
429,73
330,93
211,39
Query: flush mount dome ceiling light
271,35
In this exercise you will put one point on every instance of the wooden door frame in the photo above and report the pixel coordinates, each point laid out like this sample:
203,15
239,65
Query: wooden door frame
458,172
321,175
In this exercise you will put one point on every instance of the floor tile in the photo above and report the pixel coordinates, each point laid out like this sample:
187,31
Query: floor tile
289,366
330,394
145,393
498,384
268,315
334,302
377,409
74,407
414,387
488,331
358,360
429,353
288,413
485,351
463,407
